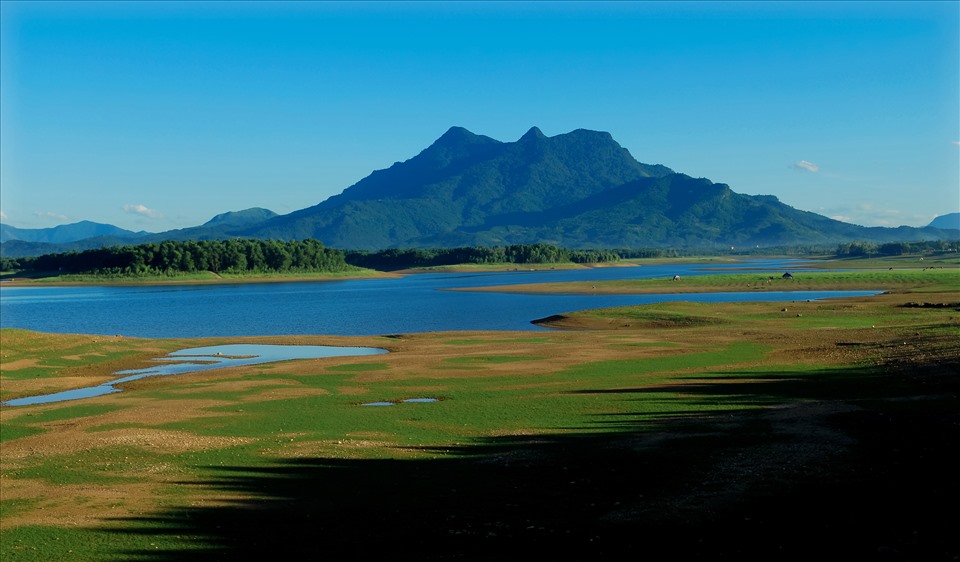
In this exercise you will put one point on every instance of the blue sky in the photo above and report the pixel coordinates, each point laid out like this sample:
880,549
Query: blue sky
153,116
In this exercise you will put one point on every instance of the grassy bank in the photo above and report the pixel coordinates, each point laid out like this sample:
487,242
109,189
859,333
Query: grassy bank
663,430
934,280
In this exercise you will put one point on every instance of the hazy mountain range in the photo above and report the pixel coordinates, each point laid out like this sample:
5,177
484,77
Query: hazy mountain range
577,190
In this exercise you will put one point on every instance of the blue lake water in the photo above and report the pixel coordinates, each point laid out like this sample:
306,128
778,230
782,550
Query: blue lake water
414,303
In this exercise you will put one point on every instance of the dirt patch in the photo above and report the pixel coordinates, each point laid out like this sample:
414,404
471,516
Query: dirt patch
18,364
73,505
153,439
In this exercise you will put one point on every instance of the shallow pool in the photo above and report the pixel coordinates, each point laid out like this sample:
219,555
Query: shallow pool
203,359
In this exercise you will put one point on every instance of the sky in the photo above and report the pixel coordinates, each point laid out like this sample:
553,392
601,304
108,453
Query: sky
155,116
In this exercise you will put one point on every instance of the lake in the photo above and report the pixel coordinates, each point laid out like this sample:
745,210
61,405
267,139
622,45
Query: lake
414,303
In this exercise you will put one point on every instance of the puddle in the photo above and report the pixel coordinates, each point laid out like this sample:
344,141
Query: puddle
408,400
203,359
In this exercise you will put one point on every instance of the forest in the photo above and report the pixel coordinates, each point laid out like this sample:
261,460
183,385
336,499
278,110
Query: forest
253,256
239,256
174,257
393,259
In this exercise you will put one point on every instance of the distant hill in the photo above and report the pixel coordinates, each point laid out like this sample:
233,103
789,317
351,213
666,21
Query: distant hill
20,248
577,190
951,220
234,219
219,227
65,233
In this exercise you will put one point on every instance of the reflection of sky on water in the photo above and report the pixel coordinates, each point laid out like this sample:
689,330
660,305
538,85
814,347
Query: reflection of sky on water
407,401
414,303
203,359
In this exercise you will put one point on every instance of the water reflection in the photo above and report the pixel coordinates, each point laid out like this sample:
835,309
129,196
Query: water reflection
203,359
407,401
415,303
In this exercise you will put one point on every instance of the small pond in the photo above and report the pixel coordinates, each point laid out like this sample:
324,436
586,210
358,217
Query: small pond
203,359
407,401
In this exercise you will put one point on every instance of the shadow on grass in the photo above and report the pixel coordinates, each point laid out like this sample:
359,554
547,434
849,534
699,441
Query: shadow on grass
853,464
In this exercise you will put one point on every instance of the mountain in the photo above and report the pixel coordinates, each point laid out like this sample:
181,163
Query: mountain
65,233
578,190
234,219
20,248
463,185
951,220
219,227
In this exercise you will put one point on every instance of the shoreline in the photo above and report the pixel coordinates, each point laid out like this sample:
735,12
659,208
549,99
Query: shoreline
755,282
806,265
218,280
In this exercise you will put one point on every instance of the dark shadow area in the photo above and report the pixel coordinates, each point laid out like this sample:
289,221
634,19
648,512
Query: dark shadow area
847,464
15,275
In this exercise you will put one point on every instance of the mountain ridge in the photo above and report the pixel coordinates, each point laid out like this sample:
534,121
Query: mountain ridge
65,233
460,180
579,189
468,189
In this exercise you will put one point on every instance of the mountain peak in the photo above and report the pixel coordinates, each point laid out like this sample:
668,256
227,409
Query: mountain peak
950,220
455,134
246,217
591,134
458,138
533,134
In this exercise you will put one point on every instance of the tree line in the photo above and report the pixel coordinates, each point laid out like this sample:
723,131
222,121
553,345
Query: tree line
175,257
406,258
278,256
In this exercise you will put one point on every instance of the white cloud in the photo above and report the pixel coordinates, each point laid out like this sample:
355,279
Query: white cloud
51,215
3,216
806,166
142,210
871,214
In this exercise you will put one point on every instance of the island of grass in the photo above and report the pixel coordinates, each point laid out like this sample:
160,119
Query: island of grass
942,280
723,430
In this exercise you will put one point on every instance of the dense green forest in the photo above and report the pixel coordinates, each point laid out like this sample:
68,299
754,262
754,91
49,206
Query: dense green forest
239,256
387,260
170,257
274,256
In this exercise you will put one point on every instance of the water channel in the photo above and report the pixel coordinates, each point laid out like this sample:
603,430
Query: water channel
202,359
